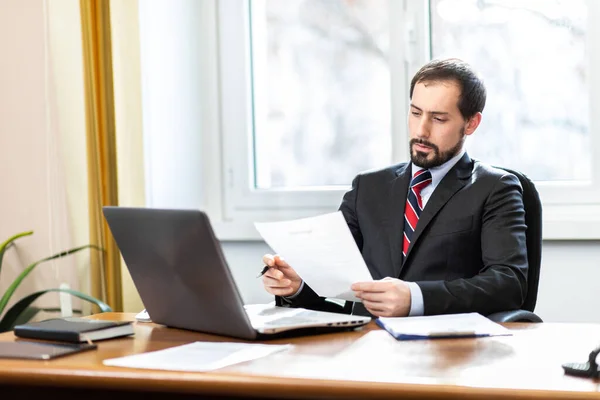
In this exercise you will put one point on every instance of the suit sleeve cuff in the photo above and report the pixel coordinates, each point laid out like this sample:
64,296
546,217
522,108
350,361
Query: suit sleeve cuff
291,297
417,307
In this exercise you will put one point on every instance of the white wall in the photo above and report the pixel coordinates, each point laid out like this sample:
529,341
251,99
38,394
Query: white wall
570,282
171,66
34,149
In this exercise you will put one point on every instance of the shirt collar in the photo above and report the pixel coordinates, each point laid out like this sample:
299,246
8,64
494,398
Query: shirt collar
438,173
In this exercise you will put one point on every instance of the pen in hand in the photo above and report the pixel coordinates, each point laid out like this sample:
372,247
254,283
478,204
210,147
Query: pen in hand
264,270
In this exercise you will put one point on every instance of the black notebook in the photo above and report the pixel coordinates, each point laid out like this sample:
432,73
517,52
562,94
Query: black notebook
74,330
39,350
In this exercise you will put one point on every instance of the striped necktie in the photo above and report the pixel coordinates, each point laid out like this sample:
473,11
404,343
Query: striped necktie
414,206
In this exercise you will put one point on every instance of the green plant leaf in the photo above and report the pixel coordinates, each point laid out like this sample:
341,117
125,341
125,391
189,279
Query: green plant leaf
9,320
11,289
6,245
27,315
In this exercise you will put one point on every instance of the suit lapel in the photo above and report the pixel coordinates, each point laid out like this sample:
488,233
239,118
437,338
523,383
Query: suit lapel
398,191
454,180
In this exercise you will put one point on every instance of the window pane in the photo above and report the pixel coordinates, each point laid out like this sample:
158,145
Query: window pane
532,55
321,90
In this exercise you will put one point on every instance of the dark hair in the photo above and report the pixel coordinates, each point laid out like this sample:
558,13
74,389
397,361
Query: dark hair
472,89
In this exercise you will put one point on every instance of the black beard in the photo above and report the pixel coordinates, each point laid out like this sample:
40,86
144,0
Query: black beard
420,159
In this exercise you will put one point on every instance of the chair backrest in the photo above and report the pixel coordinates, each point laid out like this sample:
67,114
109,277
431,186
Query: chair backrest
533,220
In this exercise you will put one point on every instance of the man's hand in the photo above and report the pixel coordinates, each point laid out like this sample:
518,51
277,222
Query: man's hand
388,297
280,279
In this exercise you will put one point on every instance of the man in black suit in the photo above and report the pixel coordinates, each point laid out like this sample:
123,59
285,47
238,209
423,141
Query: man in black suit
442,234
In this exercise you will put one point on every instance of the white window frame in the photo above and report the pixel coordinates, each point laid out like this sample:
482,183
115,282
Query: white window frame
571,211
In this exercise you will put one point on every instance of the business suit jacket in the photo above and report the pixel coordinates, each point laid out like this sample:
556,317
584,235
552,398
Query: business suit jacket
468,252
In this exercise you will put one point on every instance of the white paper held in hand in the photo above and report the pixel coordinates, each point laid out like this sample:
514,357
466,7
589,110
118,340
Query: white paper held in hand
322,251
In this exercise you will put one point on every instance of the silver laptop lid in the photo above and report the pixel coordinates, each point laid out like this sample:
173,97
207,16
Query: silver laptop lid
178,268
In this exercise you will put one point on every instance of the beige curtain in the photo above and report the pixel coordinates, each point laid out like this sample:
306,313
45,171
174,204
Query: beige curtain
101,148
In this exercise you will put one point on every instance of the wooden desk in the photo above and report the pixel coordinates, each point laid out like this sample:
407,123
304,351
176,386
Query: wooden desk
362,364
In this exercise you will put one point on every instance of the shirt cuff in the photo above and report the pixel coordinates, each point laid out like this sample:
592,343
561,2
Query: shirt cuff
298,292
417,307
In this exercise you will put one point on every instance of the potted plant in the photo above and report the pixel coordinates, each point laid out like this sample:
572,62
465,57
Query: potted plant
22,311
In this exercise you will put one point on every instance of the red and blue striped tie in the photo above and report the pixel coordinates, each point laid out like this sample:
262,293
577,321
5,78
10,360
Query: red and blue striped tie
414,206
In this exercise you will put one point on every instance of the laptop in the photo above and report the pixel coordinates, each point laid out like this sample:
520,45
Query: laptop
178,267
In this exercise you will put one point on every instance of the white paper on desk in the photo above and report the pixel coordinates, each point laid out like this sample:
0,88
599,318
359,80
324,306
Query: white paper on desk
322,251
197,356
450,325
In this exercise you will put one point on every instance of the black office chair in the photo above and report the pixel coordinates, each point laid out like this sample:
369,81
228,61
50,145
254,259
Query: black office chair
533,238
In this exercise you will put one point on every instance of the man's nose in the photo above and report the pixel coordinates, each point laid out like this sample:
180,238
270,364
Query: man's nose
423,129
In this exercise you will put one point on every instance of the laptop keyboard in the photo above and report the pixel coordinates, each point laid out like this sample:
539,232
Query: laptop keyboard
286,321
274,317
297,318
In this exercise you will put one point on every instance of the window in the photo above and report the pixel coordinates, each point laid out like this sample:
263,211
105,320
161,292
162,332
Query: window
321,91
533,56
312,92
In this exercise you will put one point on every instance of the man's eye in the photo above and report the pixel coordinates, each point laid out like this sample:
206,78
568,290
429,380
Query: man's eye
439,119
416,114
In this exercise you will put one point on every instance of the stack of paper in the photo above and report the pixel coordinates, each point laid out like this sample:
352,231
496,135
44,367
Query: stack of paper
441,326
197,356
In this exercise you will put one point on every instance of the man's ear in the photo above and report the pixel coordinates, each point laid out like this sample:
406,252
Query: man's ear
473,123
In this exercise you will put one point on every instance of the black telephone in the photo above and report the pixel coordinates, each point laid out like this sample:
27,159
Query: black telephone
588,369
